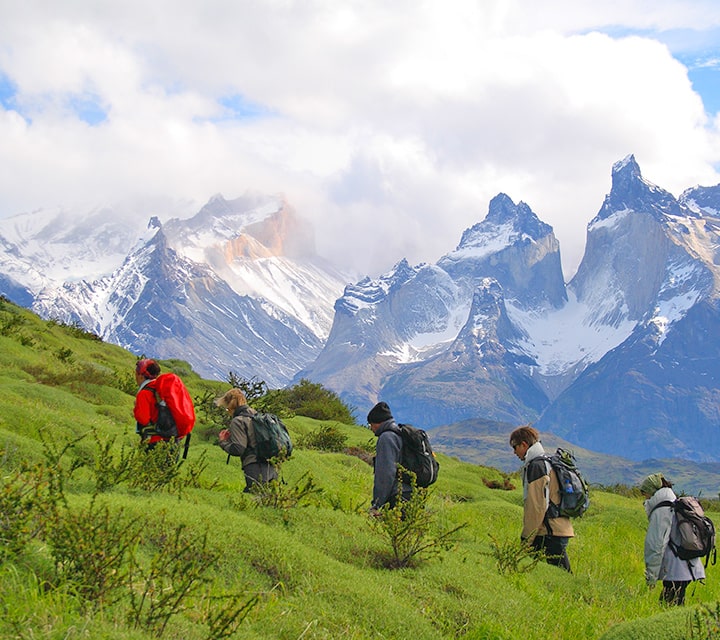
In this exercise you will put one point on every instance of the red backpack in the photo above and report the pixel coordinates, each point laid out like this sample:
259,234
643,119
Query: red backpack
171,393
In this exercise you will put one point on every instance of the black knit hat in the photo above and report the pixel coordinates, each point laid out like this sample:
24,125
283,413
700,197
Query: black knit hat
379,413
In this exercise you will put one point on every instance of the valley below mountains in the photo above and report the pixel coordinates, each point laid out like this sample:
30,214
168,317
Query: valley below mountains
624,359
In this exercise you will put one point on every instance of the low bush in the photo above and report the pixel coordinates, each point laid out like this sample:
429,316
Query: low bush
326,438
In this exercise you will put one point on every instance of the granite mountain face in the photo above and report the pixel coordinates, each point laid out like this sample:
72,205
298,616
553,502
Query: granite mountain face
622,360
237,287
653,260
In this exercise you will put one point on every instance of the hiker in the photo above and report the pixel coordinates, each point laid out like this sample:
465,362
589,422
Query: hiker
146,410
388,452
660,561
540,486
239,439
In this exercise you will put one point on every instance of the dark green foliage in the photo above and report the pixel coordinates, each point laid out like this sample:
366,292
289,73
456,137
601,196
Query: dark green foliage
621,490
125,382
326,438
90,547
10,321
705,622
74,329
281,495
412,531
103,556
252,388
59,465
174,574
22,493
513,556
208,412
315,401
273,402
224,614
157,468
303,399
505,484
110,468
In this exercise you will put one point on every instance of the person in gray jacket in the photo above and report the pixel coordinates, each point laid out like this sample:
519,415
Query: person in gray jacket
388,454
660,561
239,439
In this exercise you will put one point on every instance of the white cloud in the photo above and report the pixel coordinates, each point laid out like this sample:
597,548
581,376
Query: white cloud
391,125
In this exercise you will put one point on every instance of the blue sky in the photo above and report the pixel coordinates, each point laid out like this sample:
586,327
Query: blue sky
704,73
697,49
390,125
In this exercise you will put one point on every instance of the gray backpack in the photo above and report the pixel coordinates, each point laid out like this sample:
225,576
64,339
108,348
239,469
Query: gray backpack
693,533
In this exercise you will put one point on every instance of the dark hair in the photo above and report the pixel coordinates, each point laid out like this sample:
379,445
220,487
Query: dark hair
527,434
147,368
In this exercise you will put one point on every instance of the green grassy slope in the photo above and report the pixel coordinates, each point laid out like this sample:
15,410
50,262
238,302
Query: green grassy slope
316,568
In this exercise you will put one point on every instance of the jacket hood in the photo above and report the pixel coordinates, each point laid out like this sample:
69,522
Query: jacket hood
388,425
533,452
665,493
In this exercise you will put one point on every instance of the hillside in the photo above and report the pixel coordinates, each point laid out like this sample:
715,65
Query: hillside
485,442
315,569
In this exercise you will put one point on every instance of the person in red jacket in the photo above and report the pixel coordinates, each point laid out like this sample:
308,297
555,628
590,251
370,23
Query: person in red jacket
146,411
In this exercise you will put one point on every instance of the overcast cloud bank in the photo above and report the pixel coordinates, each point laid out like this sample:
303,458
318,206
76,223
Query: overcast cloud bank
389,125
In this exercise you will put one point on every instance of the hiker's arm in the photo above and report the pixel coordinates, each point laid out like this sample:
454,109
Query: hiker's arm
656,540
144,404
238,441
386,456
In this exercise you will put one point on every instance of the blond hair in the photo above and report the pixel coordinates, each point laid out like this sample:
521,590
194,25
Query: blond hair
232,399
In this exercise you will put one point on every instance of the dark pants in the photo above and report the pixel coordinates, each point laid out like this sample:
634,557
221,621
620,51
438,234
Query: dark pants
673,591
257,473
555,549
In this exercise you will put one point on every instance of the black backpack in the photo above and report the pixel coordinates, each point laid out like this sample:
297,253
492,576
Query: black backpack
693,533
271,436
417,455
574,490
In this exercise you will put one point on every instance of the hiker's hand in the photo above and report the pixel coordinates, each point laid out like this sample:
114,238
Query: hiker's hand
224,435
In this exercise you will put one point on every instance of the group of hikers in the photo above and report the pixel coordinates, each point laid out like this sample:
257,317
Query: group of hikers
544,530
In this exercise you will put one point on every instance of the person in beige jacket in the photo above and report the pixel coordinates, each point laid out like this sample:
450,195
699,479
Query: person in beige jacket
540,489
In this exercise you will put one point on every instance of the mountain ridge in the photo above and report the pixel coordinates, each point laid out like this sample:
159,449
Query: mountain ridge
491,330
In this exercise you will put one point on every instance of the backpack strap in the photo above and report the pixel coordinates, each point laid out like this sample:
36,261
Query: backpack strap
149,431
673,547
664,503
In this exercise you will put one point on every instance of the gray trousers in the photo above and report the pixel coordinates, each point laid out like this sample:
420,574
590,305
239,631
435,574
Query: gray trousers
258,472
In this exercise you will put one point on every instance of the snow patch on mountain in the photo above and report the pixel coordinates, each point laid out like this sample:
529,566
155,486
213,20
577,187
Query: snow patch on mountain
486,241
609,223
560,340
425,344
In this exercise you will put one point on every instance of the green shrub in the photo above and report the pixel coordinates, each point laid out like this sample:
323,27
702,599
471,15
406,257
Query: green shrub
21,494
705,622
109,466
177,569
282,495
326,438
513,556
90,547
314,401
411,530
